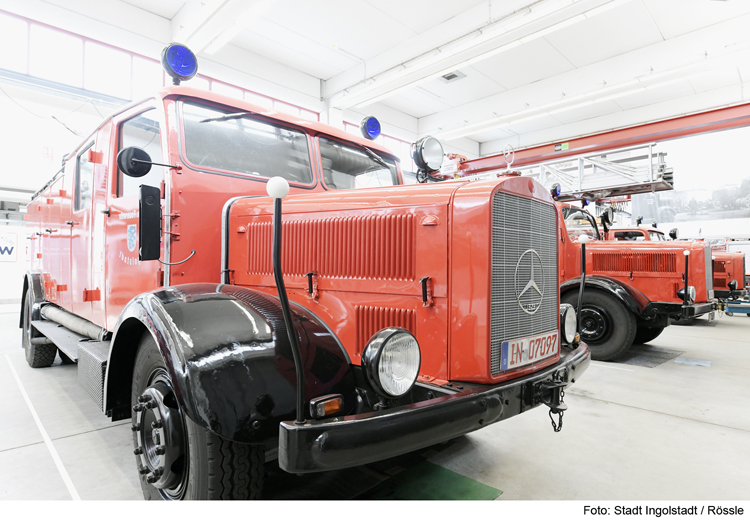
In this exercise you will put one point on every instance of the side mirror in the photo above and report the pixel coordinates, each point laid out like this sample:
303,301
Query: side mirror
674,233
149,223
134,162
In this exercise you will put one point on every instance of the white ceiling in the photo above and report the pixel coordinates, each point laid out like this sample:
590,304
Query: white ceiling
635,61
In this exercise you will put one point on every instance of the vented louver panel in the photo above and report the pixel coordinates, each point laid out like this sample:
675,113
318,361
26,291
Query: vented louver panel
720,267
626,261
523,238
371,319
362,247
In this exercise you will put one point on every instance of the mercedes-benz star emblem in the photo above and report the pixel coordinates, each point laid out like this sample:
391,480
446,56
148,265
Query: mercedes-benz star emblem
531,291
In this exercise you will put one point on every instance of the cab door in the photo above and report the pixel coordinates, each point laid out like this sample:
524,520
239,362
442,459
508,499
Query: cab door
81,168
127,275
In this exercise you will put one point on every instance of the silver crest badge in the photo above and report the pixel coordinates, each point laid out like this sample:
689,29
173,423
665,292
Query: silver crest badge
529,293
132,235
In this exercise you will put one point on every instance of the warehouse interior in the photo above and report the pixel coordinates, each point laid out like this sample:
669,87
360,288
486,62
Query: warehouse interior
633,110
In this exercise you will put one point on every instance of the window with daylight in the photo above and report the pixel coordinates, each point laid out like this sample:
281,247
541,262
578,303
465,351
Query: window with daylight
13,36
141,131
55,56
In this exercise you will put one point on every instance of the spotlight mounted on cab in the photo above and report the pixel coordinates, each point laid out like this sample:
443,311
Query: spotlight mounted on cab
428,154
179,62
370,128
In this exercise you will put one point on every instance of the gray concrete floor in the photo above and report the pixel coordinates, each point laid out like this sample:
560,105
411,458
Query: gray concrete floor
672,431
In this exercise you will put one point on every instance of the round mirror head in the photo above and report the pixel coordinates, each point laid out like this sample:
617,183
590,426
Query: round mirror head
133,162
428,154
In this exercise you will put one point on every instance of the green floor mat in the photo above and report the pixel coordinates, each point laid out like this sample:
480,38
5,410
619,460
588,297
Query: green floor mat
427,481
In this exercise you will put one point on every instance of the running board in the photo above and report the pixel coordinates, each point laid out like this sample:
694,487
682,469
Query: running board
90,355
65,339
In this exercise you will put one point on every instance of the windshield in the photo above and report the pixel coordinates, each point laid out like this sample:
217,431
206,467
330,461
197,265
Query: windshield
242,143
657,236
629,236
578,223
348,167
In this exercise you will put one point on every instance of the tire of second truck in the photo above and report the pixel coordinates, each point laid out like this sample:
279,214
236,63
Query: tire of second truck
607,326
40,355
176,458
645,334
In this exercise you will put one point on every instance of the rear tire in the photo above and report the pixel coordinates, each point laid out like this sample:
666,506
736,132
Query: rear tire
607,326
41,355
196,464
646,334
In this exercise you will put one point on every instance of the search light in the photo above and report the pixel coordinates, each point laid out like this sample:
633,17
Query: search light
179,62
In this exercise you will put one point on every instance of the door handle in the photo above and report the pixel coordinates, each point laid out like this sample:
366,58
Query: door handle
71,223
106,211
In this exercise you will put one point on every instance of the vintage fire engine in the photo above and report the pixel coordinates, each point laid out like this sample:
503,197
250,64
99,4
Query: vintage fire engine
387,318
727,267
632,289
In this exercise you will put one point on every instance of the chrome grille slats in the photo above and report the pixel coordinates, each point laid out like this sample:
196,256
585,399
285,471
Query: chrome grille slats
520,224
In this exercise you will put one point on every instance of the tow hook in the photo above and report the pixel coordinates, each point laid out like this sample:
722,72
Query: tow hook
553,395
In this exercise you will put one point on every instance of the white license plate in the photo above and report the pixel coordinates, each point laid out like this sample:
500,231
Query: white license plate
523,351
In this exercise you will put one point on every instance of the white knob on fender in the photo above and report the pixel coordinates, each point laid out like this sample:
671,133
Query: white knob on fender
277,187
583,239
686,252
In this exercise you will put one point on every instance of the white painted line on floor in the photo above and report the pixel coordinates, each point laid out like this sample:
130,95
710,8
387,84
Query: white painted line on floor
597,364
47,441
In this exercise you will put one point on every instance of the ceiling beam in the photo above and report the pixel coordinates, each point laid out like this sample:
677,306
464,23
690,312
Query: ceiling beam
208,25
671,61
479,38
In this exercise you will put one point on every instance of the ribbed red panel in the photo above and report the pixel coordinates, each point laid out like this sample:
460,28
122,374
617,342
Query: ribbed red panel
720,267
634,262
365,247
371,319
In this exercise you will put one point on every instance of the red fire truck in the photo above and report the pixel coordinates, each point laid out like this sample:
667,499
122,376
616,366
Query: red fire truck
387,318
727,267
631,291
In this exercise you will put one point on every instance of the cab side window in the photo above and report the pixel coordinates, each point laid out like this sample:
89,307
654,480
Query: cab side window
141,131
84,180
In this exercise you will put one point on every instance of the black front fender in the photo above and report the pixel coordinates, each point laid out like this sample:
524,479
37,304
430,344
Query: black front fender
34,284
227,351
633,299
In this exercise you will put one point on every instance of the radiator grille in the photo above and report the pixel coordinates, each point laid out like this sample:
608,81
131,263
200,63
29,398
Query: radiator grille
371,319
523,231
634,262
356,247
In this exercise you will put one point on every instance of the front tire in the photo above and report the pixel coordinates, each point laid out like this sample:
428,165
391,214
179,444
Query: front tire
607,326
645,334
40,355
176,458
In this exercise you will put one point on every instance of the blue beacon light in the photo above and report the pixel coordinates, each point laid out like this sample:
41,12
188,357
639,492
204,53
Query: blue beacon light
370,128
179,62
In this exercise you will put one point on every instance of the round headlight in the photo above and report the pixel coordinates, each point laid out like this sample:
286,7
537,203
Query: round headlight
568,322
391,361
428,154
691,293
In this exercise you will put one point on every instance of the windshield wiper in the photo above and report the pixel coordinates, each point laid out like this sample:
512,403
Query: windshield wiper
376,157
227,117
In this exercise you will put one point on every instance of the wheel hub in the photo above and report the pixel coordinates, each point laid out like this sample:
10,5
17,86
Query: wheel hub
594,325
160,437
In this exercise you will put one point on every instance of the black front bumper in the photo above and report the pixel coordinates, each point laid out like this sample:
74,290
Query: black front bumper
678,310
360,439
